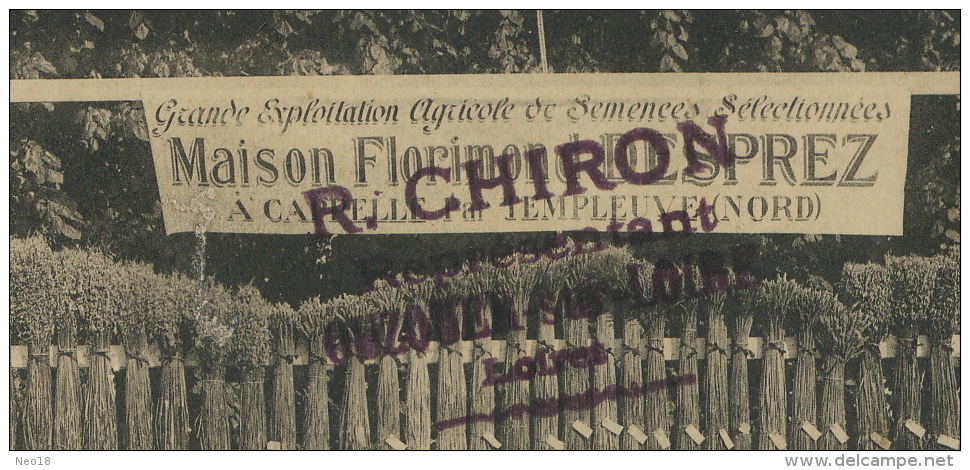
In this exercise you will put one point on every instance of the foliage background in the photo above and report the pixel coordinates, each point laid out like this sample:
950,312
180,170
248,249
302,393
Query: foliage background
81,173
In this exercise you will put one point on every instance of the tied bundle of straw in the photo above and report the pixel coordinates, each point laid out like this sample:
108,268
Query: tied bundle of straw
355,432
417,392
804,409
101,420
654,320
282,422
451,394
33,310
101,302
739,310
911,279
212,335
138,397
142,290
545,387
776,304
631,378
866,286
67,396
604,376
165,328
688,401
314,315
943,319
15,403
631,355
576,380
515,283
391,303
608,270
715,384
481,397
842,335
249,350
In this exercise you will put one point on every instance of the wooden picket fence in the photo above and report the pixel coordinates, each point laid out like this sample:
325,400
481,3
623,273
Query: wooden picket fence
606,424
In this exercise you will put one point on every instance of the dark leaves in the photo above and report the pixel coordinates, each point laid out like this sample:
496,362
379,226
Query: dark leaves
35,191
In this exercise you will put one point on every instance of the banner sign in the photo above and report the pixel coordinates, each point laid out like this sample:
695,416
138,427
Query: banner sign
733,153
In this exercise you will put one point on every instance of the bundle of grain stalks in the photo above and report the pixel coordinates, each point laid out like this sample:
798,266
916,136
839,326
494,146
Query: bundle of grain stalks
715,282
355,432
715,383
211,337
314,316
166,328
545,387
842,335
67,396
391,304
942,321
687,434
451,393
102,303
481,433
911,280
576,380
16,407
32,314
143,304
804,410
249,351
654,320
630,377
776,303
282,422
515,283
612,299
866,287
739,310
417,391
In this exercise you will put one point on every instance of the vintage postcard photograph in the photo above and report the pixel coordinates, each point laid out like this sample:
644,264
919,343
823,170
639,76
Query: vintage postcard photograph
703,230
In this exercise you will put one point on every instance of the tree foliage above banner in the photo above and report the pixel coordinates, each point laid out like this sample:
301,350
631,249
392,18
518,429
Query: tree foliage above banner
81,173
